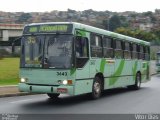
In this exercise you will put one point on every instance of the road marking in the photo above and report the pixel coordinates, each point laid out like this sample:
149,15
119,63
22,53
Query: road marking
19,101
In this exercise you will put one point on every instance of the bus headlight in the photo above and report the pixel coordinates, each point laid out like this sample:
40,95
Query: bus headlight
65,82
23,80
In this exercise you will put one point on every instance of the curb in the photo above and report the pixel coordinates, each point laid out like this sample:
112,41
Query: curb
15,94
9,86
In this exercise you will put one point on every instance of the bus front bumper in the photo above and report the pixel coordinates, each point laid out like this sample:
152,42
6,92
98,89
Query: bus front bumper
23,87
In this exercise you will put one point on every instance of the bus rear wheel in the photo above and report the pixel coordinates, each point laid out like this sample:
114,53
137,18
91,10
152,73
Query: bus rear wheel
53,95
138,81
96,88
137,84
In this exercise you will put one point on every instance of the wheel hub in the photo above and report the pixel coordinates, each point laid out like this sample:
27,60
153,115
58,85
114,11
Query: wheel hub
97,87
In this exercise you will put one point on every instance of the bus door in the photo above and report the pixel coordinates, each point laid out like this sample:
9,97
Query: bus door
82,65
81,55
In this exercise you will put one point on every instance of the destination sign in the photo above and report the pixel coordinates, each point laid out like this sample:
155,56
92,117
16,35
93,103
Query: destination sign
51,28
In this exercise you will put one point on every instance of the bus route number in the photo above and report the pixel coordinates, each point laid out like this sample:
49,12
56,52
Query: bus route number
61,73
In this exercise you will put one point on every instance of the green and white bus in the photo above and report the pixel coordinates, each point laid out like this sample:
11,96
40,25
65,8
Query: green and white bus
158,62
73,58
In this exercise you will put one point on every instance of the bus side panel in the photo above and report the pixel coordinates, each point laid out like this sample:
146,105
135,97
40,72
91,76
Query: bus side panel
108,73
83,83
83,86
121,76
145,71
136,67
105,67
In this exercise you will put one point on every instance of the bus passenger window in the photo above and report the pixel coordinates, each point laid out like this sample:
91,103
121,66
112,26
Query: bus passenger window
96,46
134,51
107,47
127,53
118,50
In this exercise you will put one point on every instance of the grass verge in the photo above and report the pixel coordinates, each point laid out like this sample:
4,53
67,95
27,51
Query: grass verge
9,71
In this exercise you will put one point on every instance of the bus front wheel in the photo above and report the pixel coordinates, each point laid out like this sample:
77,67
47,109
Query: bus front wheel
53,95
96,88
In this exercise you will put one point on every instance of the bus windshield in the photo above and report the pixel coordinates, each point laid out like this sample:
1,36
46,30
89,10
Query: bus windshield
46,51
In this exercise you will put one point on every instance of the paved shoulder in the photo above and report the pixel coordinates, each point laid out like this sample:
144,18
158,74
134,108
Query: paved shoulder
12,90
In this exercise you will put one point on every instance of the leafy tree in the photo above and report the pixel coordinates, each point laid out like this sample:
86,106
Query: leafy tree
133,15
140,34
114,22
125,31
149,13
124,21
24,17
157,33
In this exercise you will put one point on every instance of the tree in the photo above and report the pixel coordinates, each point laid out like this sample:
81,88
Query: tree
125,31
24,18
149,13
124,21
157,33
140,34
114,22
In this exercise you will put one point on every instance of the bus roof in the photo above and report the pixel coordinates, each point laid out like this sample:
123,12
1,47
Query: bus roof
98,31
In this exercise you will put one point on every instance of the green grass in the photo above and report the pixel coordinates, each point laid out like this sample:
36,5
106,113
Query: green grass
9,71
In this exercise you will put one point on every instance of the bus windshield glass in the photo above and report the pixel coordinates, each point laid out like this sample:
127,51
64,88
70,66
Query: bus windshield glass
46,51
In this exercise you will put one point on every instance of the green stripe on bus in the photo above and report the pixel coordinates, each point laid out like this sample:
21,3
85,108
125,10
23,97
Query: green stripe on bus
72,71
102,65
117,73
80,33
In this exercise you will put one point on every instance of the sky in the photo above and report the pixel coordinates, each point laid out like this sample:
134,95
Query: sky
79,5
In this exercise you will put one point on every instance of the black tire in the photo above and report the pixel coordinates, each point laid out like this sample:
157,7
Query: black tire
137,84
53,95
96,88
138,81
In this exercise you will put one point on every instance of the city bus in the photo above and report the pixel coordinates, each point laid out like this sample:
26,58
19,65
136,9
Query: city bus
73,58
158,62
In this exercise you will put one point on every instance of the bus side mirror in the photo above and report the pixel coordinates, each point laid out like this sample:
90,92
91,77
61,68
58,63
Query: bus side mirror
13,47
14,43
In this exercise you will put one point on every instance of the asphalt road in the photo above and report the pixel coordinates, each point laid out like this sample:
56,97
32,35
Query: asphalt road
117,101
